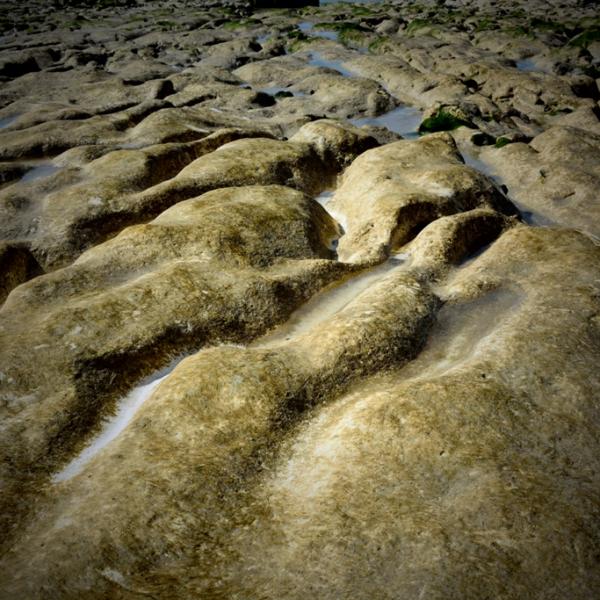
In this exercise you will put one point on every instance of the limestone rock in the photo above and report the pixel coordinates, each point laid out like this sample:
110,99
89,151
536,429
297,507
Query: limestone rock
555,177
224,266
275,356
390,193
426,437
86,203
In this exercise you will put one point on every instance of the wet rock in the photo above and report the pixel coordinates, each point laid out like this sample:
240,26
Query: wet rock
309,163
139,71
89,90
445,118
322,90
10,171
418,432
231,54
408,84
555,177
387,27
224,266
389,386
390,193
583,118
343,97
261,387
452,455
18,64
335,144
97,199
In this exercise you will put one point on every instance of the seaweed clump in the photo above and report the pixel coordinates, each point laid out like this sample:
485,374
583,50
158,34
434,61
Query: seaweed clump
445,119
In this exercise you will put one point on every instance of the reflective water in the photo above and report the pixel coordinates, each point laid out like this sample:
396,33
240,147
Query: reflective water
42,170
462,333
126,410
308,28
479,165
324,199
6,121
404,120
138,145
316,59
329,301
340,219
530,217
334,297
527,65
534,218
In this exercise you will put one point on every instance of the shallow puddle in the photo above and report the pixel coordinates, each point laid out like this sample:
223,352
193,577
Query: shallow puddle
126,410
535,219
324,199
6,121
42,170
404,120
526,65
461,333
530,217
319,308
329,302
309,28
480,165
336,296
139,145
316,59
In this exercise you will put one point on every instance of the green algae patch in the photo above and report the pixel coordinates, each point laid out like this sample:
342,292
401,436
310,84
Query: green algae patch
443,120
547,25
417,24
585,38
517,31
232,25
501,142
166,25
379,44
485,25
347,31
296,34
592,71
295,40
361,11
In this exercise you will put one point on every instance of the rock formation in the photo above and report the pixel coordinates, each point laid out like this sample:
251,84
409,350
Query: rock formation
299,302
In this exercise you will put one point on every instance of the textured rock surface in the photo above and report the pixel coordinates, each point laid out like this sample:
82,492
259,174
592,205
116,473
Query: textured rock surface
223,266
104,195
555,176
390,193
264,335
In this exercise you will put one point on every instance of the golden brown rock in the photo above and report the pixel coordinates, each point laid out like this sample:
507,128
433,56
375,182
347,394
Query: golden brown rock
224,266
215,391
390,193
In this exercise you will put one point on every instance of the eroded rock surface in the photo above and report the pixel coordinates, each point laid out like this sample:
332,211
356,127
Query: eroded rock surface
299,303
555,176
80,206
390,193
